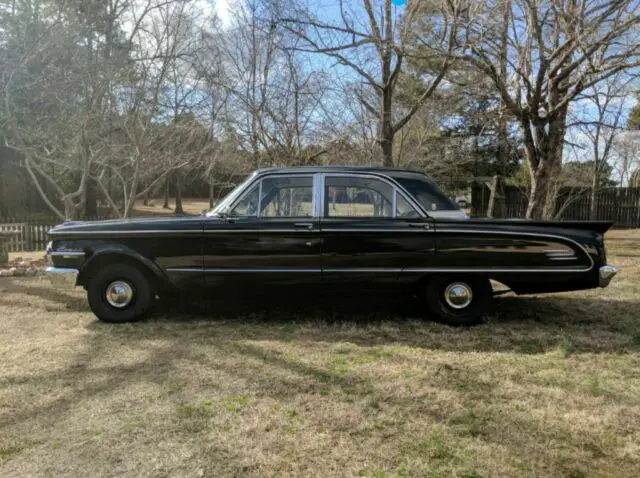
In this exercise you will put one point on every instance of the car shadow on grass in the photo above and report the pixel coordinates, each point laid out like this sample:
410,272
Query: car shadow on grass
529,325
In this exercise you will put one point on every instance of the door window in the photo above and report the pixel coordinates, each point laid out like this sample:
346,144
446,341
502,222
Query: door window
278,196
290,196
351,196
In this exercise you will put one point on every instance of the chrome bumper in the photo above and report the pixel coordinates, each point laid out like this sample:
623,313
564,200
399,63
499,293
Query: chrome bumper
606,274
62,278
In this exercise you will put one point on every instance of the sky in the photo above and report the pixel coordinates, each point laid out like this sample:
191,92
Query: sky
222,10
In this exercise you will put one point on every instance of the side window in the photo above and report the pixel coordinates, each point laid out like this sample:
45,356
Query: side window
427,194
248,205
280,196
290,196
404,209
358,197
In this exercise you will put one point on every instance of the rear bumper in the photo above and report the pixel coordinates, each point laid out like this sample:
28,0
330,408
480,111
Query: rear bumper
606,273
62,278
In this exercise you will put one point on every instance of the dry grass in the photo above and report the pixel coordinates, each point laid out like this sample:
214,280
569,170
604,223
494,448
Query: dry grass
549,387
26,256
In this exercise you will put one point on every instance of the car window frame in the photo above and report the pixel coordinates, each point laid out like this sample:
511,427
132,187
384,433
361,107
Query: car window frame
397,189
258,181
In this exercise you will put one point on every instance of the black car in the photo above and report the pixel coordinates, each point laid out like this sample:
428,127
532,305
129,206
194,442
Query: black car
335,230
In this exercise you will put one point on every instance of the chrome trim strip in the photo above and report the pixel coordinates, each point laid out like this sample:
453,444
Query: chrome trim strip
483,270
567,258
118,233
216,270
375,269
236,270
198,231
392,229
364,269
318,187
312,220
529,234
66,253
394,203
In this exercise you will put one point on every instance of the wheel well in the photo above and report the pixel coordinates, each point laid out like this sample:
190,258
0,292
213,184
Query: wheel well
115,258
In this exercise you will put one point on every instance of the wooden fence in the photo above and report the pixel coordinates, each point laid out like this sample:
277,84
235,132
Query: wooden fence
27,234
620,205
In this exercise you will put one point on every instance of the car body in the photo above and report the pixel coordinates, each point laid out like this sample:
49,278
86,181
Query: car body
333,229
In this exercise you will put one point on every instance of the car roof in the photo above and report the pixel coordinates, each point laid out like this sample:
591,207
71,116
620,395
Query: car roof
341,168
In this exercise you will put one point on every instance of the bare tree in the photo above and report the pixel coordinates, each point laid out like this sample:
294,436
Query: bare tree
626,159
556,50
387,39
598,119
58,91
155,133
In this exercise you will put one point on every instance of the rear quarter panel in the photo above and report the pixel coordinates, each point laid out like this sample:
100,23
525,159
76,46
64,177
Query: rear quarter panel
526,258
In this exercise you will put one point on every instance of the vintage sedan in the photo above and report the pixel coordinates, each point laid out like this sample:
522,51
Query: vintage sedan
334,230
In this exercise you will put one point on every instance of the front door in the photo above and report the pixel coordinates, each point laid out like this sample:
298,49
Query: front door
371,233
269,241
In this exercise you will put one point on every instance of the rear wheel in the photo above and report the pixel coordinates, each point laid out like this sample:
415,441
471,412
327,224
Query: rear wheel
459,300
119,293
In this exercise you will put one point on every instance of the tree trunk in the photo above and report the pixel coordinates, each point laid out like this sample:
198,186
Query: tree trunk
211,193
387,152
3,211
544,155
91,199
385,128
594,188
178,209
167,184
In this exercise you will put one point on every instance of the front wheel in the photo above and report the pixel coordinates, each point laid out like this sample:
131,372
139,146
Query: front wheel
119,293
461,300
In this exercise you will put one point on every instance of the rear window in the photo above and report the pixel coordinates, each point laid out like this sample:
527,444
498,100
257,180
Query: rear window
427,194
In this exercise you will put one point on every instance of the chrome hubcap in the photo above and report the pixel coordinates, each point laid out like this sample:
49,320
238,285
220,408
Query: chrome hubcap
458,295
119,294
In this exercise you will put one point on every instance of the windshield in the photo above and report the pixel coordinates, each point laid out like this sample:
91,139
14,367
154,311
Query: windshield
229,198
425,191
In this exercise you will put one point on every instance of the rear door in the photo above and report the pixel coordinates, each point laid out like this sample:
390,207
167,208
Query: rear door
270,239
371,232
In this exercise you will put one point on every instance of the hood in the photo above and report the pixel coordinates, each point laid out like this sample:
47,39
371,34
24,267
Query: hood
114,226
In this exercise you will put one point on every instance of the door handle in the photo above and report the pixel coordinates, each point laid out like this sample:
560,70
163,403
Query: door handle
420,225
305,225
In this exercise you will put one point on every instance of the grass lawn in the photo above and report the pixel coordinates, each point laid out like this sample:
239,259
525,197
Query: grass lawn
550,386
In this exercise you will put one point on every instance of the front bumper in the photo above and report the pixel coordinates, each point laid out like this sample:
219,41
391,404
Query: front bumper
606,273
62,278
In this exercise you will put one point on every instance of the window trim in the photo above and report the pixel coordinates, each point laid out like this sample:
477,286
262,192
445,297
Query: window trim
261,178
318,191
322,213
